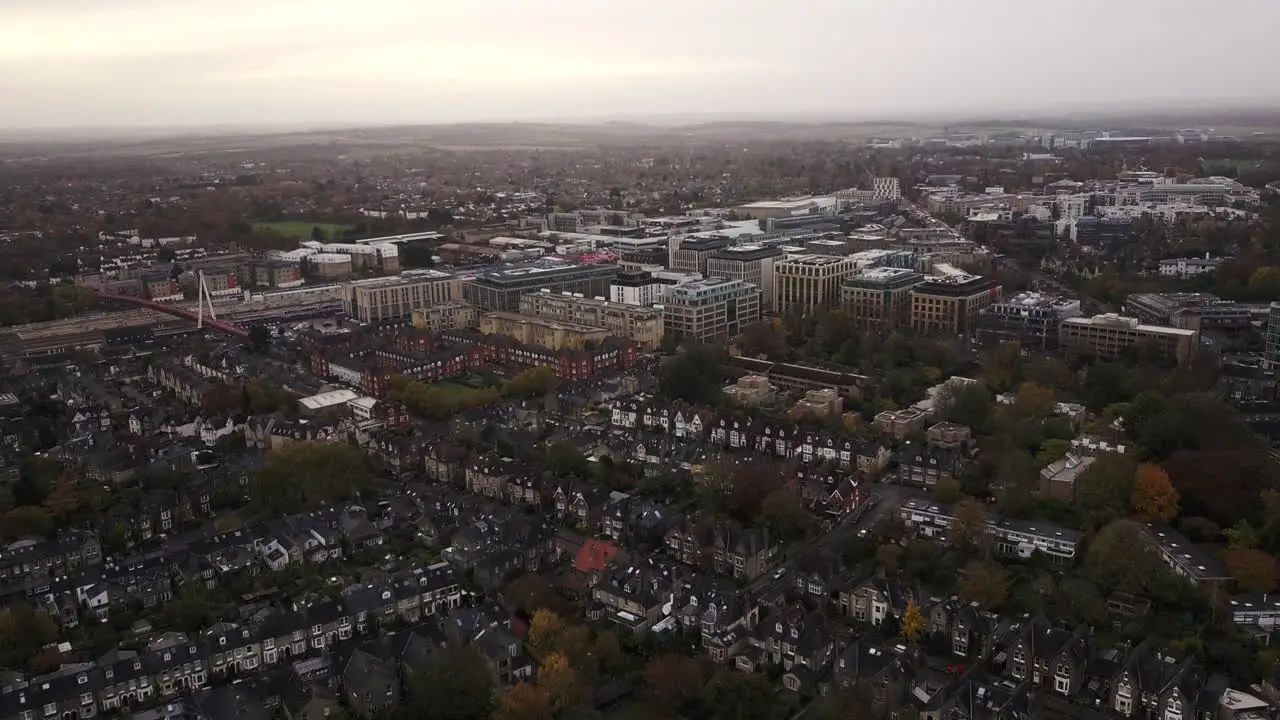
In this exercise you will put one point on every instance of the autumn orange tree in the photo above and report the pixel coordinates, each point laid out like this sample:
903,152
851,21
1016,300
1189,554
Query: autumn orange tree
1154,498
1034,401
562,683
524,702
544,629
672,684
63,498
912,621
968,528
1254,570
984,582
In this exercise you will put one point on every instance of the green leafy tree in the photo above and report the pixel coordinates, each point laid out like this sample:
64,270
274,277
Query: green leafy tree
970,404
737,696
23,632
1104,489
308,474
1243,535
784,515
534,382
1122,556
1052,450
1001,366
456,684
693,375
947,490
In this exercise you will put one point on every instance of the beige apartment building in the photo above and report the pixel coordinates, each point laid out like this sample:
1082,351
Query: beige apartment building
395,298
551,334
451,315
950,303
880,297
1110,336
808,283
637,322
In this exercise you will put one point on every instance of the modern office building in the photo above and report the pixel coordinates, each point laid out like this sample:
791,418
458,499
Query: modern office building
638,257
1102,231
1030,319
689,253
564,222
710,310
951,303
1111,336
395,298
880,296
826,246
748,263
1272,352
816,222
1223,323
546,332
808,283
646,286
641,323
1163,193
500,289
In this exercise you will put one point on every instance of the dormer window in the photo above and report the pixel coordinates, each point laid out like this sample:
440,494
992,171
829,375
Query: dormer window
778,628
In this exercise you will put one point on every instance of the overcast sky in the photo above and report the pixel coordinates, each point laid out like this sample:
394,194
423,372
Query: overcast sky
181,62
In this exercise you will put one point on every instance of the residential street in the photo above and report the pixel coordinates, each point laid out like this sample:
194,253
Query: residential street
885,498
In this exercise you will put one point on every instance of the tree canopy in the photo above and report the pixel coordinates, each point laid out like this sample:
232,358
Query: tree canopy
310,473
693,375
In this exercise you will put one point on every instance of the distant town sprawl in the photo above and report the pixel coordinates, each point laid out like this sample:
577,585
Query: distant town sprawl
973,425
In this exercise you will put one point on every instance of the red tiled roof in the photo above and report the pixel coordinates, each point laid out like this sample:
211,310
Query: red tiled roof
594,555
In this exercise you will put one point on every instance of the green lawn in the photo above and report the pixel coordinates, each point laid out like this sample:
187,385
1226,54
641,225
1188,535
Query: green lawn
301,229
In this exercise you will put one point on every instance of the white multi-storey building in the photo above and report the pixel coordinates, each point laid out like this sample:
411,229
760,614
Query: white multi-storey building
886,188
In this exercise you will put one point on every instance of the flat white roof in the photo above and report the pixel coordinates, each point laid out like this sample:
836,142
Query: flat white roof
1114,320
328,399
363,402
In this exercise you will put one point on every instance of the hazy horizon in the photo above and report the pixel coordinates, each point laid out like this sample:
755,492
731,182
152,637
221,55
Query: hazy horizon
70,64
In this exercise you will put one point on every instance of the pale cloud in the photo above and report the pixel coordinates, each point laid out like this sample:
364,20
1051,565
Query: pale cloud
82,62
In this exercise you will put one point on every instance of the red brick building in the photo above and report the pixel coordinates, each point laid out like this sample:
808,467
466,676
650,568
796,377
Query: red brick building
612,355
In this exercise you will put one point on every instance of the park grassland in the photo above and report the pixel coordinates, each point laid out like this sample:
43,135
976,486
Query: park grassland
301,229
